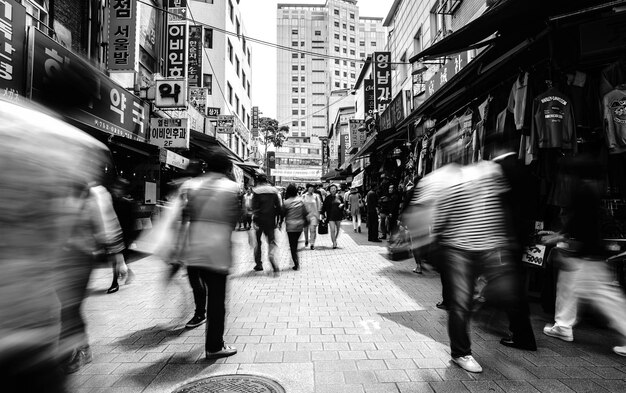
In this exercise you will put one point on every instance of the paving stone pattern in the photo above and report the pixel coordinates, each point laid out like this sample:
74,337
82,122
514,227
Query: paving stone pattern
349,321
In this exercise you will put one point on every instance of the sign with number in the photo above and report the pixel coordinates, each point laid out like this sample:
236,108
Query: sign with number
170,133
213,112
534,255
225,124
171,93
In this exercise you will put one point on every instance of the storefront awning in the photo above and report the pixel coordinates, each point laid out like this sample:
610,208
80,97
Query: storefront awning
201,142
368,148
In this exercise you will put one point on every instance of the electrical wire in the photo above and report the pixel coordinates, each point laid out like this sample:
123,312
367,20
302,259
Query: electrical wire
291,119
263,42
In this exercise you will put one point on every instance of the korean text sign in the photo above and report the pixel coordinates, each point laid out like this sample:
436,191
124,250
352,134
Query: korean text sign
113,109
175,63
194,61
370,100
122,35
225,124
170,133
382,80
12,37
171,93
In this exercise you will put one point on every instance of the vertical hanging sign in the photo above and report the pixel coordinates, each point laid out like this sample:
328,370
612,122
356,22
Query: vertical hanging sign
122,35
12,38
194,61
175,64
370,100
382,80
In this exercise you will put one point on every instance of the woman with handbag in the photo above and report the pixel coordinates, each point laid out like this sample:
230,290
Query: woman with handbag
333,212
313,204
356,203
295,215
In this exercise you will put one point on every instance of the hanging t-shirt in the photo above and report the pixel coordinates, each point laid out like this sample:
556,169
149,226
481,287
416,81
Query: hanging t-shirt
553,121
517,100
614,103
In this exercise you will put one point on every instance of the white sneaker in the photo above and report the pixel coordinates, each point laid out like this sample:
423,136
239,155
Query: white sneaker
558,332
620,350
468,363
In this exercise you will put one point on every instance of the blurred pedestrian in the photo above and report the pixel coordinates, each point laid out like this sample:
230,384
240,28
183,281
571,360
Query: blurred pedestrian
296,217
384,212
43,190
371,203
355,203
332,209
313,204
394,209
124,207
266,215
584,274
247,206
211,213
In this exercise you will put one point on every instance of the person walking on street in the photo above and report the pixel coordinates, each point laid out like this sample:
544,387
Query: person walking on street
295,215
313,204
266,215
394,209
247,206
384,213
371,203
124,210
355,203
211,214
333,212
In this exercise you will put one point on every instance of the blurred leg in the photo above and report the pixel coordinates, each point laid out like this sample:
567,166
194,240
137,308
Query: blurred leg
257,248
216,309
293,246
306,234
271,244
566,302
333,233
198,287
313,234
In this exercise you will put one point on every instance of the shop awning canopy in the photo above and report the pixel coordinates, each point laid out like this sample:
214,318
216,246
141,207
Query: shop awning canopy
203,143
506,17
368,148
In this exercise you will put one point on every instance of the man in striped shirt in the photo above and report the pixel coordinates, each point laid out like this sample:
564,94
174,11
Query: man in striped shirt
469,222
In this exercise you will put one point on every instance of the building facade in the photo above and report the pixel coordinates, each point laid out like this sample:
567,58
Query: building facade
329,45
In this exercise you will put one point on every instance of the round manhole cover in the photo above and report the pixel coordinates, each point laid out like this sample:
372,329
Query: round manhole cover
232,383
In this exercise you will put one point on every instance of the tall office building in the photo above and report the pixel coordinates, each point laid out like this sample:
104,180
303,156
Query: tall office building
329,43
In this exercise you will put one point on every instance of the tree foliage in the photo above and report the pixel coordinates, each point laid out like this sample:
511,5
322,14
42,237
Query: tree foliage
271,133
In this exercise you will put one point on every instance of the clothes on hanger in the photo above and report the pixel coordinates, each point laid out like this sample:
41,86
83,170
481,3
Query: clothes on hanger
518,99
614,104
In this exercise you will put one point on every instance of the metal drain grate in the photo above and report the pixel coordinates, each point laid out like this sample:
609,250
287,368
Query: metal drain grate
232,383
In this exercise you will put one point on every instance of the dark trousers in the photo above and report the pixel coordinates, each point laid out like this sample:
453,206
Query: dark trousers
268,231
461,268
293,246
216,308
198,287
372,226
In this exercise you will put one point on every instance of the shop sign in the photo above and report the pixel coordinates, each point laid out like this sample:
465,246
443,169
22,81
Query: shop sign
255,121
198,97
113,110
171,93
225,124
194,60
122,35
196,119
298,173
534,254
382,80
358,180
357,138
450,69
12,37
173,159
394,113
170,133
325,154
147,28
213,112
175,63
177,10
370,100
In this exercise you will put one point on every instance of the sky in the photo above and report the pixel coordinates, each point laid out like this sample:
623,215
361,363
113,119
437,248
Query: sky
259,21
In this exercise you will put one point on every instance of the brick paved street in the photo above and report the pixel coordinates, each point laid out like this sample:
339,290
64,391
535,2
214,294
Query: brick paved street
349,321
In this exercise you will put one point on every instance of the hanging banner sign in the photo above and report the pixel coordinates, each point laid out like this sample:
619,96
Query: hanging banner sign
113,109
213,112
171,93
173,159
370,99
12,37
298,173
382,80
194,60
175,63
122,35
198,97
225,124
394,113
170,133
255,121
357,138
358,180
450,69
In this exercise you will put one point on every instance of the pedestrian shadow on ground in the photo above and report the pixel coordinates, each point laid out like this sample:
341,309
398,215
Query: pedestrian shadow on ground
151,337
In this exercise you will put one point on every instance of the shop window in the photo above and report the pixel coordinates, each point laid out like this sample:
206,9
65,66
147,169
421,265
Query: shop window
230,93
230,52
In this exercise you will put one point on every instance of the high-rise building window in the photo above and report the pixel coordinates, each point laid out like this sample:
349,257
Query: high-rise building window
303,123
336,36
345,50
345,74
318,32
345,85
352,64
231,10
294,67
294,55
303,112
345,62
302,55
243,78
294,100
248,84
302,90
207,82
337,72
302,79
294,78
361,54
336,11
344,26
336,61
230,93
294,123
294,43
237,27
294,31
352,40
302,100
208,38
336,24
249,57
352,75
301,43
294,89
237,65
301,68
352,52
351,27
352,15
361,43
294,111
345,38
373,43
237,104
337,84
336,49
